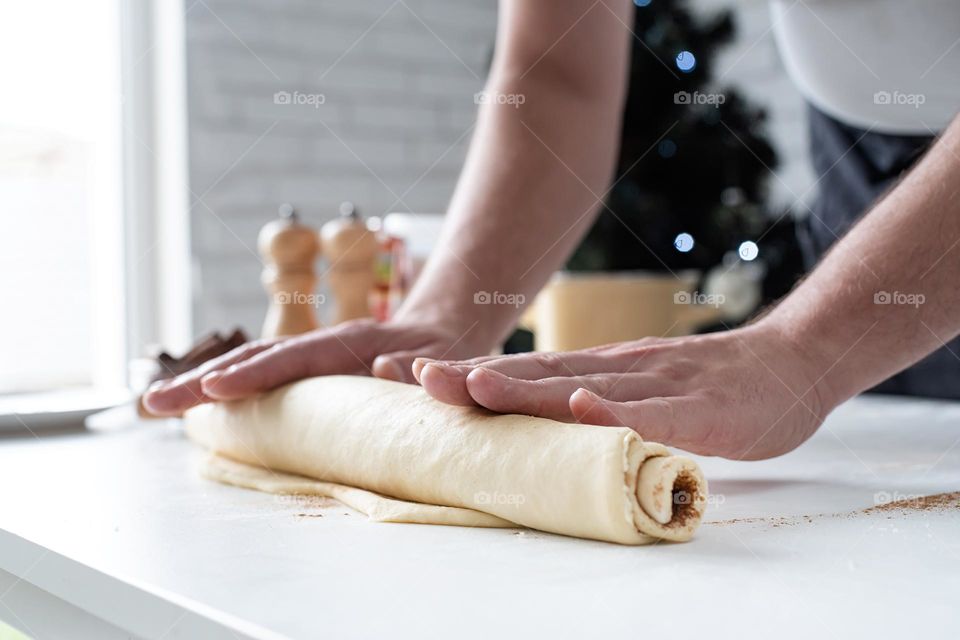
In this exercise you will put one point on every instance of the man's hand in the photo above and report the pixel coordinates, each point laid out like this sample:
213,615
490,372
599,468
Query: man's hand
760,391
743,394
360,348
569,62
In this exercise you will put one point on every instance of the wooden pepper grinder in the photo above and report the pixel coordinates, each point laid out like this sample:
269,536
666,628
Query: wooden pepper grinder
351,251
289,251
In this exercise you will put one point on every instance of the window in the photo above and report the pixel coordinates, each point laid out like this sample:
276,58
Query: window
60,194
84,125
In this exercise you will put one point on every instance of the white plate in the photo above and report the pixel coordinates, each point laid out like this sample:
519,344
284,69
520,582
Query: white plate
26,412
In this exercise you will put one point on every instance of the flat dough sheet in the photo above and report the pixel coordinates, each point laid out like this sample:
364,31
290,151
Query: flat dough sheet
375,506
393,452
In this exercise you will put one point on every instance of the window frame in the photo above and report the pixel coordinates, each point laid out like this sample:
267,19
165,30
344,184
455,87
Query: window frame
156,209
142,259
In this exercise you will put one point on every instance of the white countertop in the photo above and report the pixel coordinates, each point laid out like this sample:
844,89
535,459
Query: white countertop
119,528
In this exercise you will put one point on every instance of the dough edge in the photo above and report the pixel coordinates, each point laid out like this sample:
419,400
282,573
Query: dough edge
376,507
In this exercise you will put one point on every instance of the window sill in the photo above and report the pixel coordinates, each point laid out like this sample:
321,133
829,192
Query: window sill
55,410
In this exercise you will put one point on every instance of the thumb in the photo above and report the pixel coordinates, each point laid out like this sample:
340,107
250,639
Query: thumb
655,419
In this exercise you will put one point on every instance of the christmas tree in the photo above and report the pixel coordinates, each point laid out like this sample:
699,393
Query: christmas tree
693,161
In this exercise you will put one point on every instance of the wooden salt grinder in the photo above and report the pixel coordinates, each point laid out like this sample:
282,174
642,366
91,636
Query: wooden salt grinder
289,251
351,251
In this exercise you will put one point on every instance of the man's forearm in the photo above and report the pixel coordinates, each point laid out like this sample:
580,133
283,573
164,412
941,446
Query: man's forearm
886,295
536,170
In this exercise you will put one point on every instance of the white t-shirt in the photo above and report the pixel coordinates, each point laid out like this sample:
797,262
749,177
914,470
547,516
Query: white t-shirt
892,66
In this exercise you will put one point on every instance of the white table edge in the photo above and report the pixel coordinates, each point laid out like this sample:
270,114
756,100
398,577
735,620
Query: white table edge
119,602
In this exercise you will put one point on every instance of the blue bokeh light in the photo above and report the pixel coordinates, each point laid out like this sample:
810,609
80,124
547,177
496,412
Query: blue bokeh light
683,242
686,61
667,148
642,3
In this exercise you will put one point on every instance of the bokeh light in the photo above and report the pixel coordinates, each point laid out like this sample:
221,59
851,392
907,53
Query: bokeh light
748,250
683,242
686,61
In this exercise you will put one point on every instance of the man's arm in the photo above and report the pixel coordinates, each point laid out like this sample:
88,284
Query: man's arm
883,298
545,147
887,294
545,144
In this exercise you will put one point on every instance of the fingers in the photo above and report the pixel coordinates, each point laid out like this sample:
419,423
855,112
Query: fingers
447,381
406,366
420,362
173,397
391,367
679,421
311,355
446,384
259,366
550,397
402,365
589,408
535,366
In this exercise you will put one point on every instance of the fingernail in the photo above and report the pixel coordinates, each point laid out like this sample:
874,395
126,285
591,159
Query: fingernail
448,371
586,397
159,385
211,379
483,372
416,367
589,395
387,368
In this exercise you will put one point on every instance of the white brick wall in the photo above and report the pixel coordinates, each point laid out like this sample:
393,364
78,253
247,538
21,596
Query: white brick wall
398,79
752,64
396,99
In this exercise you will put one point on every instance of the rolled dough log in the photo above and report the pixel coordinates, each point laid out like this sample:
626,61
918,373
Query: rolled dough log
396,454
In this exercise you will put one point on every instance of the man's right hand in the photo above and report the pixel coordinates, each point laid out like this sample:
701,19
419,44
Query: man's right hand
361,347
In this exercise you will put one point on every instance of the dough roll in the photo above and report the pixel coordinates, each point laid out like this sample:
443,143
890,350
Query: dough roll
388,448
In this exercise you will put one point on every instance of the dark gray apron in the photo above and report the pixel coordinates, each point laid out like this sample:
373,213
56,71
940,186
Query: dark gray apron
852,179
